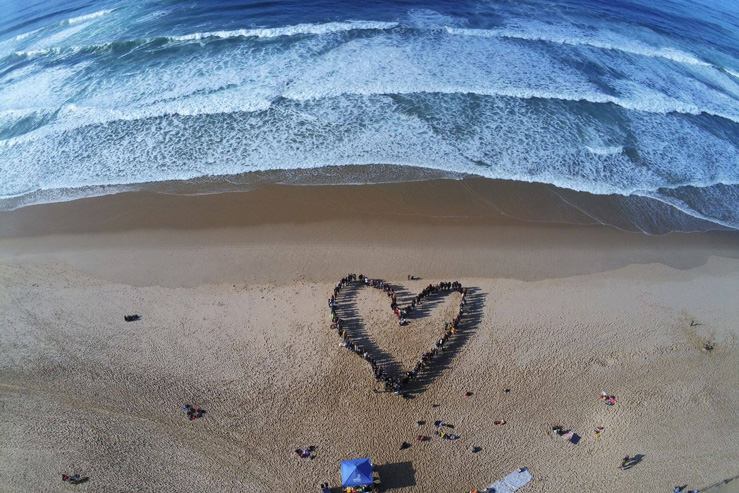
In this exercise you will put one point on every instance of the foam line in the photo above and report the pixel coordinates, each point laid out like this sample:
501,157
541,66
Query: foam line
663,107
298,29
87,17
336,27
23,36
109,116
635,49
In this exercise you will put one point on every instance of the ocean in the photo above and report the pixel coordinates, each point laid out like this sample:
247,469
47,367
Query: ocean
633,100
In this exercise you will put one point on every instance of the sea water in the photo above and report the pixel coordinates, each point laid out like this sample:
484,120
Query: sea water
626,98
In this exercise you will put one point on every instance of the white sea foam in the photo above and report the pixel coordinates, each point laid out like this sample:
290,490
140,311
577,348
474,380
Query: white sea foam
273,32
53,41
524,145
88,17
244,79
45,52
23,36
605,151
521,144
296,30
37,89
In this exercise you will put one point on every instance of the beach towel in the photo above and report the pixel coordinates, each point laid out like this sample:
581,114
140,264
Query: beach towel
572,437
512,482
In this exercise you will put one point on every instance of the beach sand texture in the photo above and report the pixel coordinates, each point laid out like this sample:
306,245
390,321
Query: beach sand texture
591,309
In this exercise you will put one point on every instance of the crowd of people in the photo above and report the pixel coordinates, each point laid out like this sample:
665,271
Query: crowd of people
396,383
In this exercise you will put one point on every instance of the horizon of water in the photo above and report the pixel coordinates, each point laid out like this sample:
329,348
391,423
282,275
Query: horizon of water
612,99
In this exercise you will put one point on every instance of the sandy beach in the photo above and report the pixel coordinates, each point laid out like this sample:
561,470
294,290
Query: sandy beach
232,292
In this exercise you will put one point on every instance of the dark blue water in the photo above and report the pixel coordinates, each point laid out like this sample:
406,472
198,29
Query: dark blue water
629,98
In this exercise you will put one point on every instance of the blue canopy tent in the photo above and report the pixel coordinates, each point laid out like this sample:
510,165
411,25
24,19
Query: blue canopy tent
356,472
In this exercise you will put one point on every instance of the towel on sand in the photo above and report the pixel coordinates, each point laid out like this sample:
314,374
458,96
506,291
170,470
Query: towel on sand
512,482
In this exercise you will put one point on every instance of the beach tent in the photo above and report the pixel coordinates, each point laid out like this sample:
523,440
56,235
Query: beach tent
512,482
356,472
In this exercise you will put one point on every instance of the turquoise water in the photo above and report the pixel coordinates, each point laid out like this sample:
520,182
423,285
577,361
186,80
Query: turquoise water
605,97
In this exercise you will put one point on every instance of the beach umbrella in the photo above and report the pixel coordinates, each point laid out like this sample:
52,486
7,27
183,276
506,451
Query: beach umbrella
356,472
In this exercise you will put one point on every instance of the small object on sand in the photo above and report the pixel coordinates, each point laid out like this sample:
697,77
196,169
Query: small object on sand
467,394
303,454
610,400
499,422
131,318
475,449
434,405
420,422
73,479
193,412
507,391
404,445
708,346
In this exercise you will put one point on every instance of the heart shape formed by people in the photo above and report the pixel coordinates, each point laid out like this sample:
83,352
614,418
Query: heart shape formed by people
388,372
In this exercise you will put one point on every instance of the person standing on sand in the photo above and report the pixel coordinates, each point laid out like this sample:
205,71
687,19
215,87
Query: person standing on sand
624,461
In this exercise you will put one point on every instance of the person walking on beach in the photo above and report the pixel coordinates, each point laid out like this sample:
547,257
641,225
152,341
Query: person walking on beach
624,461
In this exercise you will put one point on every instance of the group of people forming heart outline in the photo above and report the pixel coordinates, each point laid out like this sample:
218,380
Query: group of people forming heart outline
395,383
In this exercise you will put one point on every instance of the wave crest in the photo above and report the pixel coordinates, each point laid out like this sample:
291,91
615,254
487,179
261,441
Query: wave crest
298,29
634,48
87,17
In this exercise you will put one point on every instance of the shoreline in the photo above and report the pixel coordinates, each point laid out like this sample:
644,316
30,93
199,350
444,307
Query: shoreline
254,235
524,201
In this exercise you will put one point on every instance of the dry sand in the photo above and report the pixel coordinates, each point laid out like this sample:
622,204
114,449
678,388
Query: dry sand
234,320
